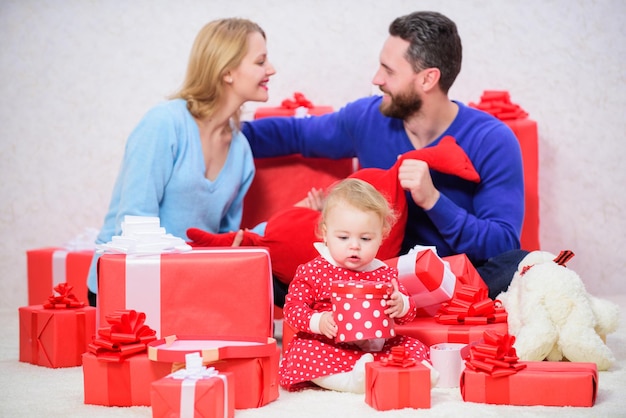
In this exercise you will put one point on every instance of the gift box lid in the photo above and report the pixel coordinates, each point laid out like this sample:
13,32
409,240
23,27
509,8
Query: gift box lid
211,348
367,290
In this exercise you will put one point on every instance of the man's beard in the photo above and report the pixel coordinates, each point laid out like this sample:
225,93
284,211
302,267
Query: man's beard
402,106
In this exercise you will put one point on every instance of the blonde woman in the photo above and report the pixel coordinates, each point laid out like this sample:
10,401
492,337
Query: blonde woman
187,161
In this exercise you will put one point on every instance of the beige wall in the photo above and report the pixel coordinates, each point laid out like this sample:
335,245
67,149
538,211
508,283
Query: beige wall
77,76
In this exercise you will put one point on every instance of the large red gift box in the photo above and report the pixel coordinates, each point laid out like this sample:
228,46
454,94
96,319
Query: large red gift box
47,267
539,383
358,309
393,387
526,132
55,337
431,332
498,103
192,394
121,383
192,293
251,361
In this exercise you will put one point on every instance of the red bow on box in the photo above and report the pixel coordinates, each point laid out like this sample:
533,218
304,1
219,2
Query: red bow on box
471,306
495,356
498,104
398,358
299,101
126,336
64,300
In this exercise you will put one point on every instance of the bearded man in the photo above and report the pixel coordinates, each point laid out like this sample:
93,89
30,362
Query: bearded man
419,62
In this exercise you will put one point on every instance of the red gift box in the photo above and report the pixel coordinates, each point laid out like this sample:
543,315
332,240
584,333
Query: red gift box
431,332
252,361
426,278
280,182
187,394
358,309
193,292
539,383
526,132
498,104
123,383
266,112
393,387
55,337
47,267
428,281
299,106
465,271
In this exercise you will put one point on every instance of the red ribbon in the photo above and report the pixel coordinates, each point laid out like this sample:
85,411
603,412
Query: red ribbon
494,356
561,259
398,358
65,299
498,104
471,306
299,101
126,336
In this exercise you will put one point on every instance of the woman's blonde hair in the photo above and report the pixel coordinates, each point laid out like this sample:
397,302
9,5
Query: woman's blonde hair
219,47
363,196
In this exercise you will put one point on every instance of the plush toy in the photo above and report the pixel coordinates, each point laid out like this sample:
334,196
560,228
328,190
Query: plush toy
553,317
290,233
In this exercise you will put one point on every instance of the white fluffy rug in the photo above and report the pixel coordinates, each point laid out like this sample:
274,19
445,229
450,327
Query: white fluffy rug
33,391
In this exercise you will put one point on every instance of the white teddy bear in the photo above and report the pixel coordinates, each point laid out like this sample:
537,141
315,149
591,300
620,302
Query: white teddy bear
553,317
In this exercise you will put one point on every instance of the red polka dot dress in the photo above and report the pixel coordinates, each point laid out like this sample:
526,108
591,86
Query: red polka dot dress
310,355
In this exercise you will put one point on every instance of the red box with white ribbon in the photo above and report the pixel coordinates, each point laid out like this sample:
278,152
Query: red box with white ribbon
192,392
253,362
47,267
192,293
428,279
358,310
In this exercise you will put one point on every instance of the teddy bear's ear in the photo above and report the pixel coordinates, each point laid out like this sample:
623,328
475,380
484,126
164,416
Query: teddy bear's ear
535,257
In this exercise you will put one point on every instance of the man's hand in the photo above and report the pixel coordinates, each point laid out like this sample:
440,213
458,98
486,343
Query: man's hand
414,176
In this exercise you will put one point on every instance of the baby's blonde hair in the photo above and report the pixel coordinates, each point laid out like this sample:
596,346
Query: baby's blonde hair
363,196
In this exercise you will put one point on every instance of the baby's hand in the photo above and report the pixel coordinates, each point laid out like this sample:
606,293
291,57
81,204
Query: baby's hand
328,327
395,304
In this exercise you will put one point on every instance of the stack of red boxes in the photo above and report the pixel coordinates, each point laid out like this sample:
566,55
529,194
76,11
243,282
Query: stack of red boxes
116,368
193,293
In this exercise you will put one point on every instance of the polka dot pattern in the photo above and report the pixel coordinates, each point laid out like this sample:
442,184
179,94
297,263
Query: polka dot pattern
311,355
359,309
